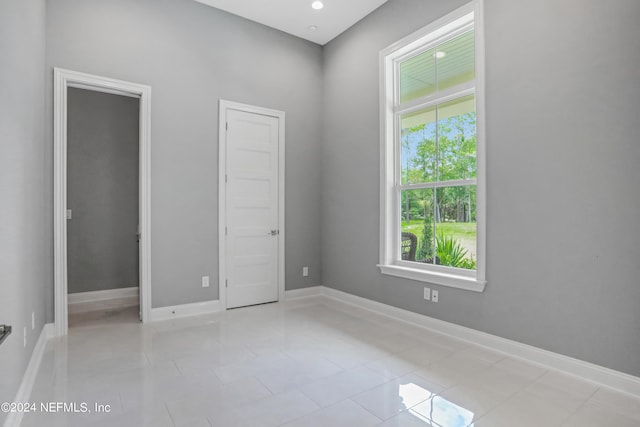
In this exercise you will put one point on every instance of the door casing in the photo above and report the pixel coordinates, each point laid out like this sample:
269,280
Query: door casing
224,106
63,79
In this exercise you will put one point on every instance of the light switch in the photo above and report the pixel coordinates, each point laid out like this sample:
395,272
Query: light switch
68,213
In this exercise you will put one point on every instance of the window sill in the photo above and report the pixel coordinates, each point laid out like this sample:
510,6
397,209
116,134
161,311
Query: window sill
450,280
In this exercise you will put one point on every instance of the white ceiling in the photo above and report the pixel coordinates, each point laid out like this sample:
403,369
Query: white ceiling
295,16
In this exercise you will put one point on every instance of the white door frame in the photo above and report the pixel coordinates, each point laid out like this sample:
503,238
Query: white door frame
63,79
222,193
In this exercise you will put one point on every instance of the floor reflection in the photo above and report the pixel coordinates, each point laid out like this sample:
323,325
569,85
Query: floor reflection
441,412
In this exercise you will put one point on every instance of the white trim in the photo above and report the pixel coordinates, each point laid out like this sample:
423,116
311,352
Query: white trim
184,310
481,146
64,79
463,17
222,193
437,29
387,158
28,379
439,184
459,91
294,294
585,370
431,276
107,294
110,90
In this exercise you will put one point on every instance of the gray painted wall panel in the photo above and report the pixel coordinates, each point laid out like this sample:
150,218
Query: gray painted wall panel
22,186
192,55
102,190
562,154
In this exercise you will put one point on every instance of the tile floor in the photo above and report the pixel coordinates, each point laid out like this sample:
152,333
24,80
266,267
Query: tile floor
310,362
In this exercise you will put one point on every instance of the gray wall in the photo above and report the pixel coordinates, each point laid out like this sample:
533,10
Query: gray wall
192,55
102,190
562,151
22,185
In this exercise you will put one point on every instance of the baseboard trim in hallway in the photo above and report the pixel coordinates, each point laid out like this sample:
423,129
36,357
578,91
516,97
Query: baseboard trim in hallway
24,392
107,294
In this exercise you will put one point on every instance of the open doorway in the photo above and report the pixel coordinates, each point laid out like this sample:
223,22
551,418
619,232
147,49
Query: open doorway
102,207
101,199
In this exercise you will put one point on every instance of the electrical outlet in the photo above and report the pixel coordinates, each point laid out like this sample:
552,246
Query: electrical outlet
435,296
205,281
33,320
69,214
427,294
305,271
25,336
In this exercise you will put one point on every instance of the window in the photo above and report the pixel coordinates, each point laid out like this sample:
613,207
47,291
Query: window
432,183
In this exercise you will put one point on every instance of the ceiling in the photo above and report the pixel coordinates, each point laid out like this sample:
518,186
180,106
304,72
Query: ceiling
296,16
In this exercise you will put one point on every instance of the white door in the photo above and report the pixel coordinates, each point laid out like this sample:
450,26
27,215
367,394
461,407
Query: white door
251,208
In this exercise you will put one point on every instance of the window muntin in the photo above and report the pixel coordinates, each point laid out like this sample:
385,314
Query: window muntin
431,155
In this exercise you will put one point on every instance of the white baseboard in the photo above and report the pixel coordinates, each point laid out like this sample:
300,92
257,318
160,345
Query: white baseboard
28,379
184,310
294,294
588,371
93,296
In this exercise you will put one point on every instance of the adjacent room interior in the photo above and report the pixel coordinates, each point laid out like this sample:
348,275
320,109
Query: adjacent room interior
319,213
102,190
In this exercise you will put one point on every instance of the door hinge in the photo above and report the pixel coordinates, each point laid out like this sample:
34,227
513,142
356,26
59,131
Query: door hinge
226,231
226,178
226,283
226,126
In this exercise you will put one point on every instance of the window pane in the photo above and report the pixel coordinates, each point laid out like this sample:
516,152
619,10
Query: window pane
418,149
418,76
457,139
455,61
417,227
455,227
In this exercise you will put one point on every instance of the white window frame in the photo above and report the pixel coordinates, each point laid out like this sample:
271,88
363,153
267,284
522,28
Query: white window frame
460,20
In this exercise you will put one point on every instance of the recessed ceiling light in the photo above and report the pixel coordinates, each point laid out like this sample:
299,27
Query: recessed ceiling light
439,54
313,27
317,5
